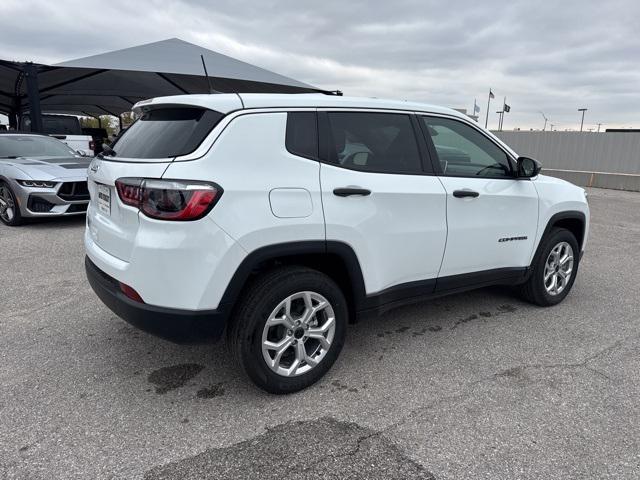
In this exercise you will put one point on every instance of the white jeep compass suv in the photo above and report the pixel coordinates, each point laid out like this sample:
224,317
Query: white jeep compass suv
281,218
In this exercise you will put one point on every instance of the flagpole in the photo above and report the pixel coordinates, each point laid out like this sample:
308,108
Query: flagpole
503,112
486,119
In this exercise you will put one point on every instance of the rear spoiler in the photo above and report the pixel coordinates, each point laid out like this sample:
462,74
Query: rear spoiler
223,102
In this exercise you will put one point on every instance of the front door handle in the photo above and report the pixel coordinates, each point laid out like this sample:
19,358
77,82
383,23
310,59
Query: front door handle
346,192
465,193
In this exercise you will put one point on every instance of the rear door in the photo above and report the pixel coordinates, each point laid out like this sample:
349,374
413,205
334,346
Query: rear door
492,216
380,197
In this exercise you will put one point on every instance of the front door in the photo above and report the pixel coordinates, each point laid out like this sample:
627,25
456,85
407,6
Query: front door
492,216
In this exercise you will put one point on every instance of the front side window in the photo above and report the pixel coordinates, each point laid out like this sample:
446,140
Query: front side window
464,151
166,132
375,142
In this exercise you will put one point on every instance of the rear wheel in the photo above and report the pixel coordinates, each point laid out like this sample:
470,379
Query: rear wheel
9,209
289,328
554,269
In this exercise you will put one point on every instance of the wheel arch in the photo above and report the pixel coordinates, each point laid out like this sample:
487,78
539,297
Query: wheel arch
335,259
573,220
5,179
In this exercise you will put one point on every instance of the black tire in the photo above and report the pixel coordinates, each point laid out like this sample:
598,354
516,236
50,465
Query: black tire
255,306
533,290
17,217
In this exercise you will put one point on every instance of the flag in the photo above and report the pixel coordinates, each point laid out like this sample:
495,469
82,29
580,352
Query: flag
491,95
507,108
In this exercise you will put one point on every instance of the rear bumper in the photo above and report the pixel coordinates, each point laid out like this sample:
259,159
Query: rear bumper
179,326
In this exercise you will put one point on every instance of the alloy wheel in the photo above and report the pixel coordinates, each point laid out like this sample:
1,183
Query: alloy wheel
7,207
298,334
558,268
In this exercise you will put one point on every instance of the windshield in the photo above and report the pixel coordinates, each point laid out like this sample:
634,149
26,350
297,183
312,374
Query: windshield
32,146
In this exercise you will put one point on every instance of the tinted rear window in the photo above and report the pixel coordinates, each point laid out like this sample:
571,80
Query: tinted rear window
167,132
374,142
55,125
302,134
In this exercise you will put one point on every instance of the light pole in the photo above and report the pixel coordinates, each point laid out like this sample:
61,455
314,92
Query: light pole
582,122
500,113
599,125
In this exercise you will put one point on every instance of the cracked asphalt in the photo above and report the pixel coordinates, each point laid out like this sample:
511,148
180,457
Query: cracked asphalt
477,385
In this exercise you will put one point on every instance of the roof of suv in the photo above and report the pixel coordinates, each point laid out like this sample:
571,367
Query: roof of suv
227,102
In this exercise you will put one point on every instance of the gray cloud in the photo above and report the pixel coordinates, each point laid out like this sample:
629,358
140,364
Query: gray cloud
546,55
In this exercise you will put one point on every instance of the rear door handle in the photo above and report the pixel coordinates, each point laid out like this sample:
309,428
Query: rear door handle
465,193
346,192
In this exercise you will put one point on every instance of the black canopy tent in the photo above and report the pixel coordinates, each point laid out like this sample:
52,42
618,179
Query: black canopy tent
110,83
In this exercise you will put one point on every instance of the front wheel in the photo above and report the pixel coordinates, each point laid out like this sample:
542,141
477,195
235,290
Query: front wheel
289,328
554,269
9,209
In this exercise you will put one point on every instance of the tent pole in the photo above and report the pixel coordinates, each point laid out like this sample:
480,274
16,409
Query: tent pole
31,74
13,114
13,120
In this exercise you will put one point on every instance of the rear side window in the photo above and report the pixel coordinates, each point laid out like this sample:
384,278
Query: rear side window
375,142
167,132
302,134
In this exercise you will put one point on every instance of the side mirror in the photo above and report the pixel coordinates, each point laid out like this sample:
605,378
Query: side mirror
528,167
82,153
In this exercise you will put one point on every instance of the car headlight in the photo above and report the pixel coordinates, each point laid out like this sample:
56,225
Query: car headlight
37,183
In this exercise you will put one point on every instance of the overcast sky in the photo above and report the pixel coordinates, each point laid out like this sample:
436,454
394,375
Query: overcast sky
550,56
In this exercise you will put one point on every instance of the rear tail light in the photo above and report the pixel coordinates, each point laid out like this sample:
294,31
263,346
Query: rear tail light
92,145
179,200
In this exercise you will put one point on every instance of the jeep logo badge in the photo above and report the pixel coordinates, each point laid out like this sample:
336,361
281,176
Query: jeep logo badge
95,166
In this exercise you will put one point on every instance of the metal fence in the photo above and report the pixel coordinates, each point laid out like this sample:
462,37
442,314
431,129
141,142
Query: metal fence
608,160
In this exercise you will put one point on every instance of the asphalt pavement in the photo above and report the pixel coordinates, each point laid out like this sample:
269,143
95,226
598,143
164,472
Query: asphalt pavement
477,385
